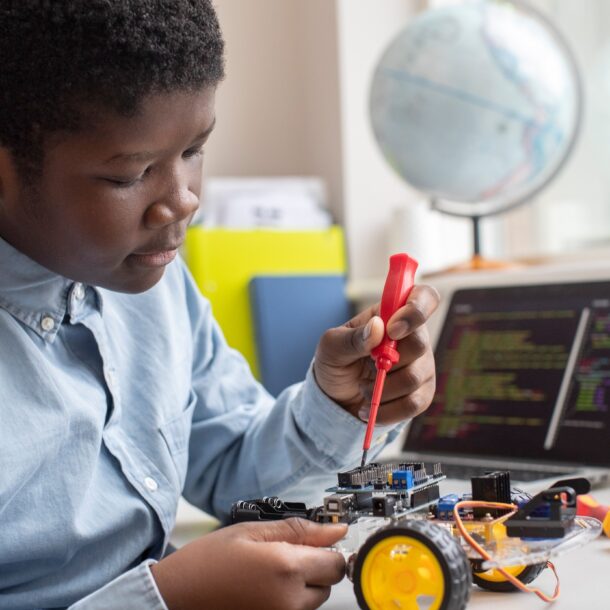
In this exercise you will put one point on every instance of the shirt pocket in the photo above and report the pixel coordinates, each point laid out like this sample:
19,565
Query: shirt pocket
176,433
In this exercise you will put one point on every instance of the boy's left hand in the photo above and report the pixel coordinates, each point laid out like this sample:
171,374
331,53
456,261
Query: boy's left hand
345,371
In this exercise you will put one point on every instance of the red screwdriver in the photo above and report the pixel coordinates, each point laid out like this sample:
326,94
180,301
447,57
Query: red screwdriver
398,286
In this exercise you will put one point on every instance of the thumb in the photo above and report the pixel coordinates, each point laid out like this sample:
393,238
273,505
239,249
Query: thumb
345,344
301,531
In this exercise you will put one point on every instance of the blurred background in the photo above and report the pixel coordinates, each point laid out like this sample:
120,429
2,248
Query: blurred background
295,103
294,152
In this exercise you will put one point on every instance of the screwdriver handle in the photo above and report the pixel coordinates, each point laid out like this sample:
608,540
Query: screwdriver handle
398,286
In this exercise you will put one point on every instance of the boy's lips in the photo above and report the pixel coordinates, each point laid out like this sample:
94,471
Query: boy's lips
155,258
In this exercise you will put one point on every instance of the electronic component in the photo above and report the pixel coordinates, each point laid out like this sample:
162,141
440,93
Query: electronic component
548,514
378,490
365,475
402,479
384,506
491,487
388,490
424,496
338,504
382,476
444,507
267,509
519,497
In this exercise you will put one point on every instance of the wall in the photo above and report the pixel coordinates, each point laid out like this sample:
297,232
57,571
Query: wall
295,102
371,189
278,109
382,214
574,211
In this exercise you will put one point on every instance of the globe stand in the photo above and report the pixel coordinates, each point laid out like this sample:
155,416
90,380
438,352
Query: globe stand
478,262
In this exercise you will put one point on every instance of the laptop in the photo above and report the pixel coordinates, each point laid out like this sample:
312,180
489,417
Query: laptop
523,384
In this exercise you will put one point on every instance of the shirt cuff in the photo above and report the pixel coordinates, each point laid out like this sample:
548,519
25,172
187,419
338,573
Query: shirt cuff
337,434
135,589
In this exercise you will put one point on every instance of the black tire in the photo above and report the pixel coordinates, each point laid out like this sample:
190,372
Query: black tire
528,575
456,570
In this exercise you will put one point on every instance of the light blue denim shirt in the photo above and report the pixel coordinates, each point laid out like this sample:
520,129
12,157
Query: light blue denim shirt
111,406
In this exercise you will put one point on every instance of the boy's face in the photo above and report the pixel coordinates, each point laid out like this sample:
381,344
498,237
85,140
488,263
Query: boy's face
113,201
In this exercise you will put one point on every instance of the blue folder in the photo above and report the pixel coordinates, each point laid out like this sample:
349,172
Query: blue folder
290,313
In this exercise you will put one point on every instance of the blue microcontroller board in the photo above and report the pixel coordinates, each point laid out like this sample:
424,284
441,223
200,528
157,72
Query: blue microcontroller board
402,477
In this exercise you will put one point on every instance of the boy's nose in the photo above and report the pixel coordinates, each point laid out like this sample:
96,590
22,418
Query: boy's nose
177,204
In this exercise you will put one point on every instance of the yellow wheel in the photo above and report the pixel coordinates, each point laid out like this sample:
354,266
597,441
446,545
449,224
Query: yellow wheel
411,566
492,580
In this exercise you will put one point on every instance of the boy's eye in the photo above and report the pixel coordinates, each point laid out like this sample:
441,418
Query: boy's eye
125,182
122,183
193,152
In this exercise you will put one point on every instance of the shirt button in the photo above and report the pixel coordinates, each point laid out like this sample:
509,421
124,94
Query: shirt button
47,323
111,378
151,484
79,291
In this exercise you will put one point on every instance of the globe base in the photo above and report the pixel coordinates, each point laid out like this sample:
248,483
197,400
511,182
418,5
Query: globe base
479,263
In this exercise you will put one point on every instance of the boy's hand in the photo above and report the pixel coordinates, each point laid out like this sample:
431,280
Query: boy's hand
345,371
267,566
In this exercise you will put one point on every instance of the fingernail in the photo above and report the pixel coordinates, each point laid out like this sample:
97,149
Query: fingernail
399,330
364,413
366,333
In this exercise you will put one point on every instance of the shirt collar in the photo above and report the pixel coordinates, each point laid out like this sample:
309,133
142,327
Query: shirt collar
36,296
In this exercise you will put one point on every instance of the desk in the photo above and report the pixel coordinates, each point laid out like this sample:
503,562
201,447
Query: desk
584,575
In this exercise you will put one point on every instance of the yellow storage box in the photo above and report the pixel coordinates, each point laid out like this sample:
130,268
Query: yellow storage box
223,261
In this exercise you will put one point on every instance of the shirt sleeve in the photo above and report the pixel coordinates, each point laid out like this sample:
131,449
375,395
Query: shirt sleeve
246,444
135,589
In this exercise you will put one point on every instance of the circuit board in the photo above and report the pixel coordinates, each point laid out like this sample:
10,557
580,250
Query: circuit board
375,490
381,490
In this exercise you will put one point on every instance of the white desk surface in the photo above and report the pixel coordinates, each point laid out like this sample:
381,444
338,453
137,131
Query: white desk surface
584,575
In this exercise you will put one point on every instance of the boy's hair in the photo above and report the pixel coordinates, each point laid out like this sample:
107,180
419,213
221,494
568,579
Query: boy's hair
61,59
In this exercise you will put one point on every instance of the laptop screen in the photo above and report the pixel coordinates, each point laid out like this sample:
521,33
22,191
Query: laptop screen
522,372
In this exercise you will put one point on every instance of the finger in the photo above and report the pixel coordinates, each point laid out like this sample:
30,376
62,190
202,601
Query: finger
321,567
364,316
421,304
405,380
407,407
298,531
314,597
346,344
415,367
413,346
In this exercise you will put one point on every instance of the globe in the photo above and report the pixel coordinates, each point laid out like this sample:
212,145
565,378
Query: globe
476,104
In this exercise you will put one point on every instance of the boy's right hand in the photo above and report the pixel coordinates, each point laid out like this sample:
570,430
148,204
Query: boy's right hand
273,565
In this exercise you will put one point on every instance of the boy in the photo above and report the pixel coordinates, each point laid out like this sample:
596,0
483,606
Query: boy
117,390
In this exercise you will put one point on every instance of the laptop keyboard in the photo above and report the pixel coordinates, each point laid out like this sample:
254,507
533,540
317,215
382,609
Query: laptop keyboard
462,471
